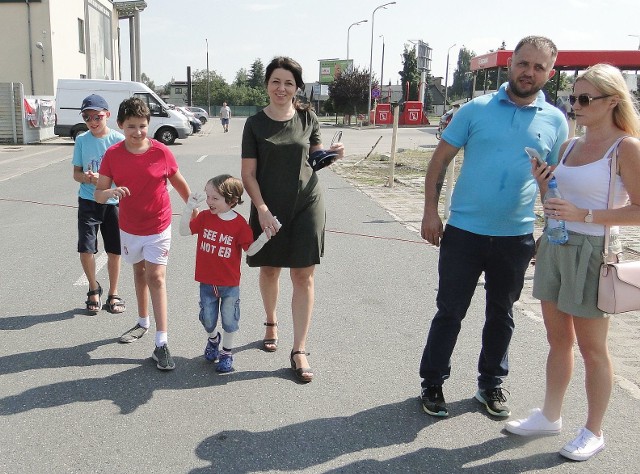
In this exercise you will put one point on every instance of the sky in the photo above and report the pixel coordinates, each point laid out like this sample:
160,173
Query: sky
177,34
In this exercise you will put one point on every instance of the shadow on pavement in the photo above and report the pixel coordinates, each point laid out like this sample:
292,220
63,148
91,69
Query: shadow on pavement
307,444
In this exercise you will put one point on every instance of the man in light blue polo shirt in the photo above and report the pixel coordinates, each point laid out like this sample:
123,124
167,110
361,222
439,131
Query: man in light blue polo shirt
490,228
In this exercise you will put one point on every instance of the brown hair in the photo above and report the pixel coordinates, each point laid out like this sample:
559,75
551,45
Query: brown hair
229,187
291,65
133,107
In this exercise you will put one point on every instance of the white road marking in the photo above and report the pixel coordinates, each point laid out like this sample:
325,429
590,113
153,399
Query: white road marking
201,158
101,260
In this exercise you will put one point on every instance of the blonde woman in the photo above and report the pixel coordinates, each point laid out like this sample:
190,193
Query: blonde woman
566,277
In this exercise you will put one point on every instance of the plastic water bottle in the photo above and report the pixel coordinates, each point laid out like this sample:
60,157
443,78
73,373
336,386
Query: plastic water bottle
556,231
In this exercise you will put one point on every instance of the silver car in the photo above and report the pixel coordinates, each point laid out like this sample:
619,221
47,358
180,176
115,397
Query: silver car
200,114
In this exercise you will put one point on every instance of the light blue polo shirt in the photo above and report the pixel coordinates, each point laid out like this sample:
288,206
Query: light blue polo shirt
495,192
88,151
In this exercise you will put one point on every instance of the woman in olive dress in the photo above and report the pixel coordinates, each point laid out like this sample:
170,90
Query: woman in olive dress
284,189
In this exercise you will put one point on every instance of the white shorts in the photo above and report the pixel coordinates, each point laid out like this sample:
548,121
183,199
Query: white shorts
152,248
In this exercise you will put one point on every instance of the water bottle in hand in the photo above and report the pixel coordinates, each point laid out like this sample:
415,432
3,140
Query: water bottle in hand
556,231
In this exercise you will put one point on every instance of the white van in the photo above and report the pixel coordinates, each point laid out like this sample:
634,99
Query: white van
165,125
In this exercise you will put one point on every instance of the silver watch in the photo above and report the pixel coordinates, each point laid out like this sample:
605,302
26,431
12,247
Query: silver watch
589,217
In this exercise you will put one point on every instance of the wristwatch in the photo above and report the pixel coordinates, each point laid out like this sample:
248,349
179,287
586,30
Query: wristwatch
589,217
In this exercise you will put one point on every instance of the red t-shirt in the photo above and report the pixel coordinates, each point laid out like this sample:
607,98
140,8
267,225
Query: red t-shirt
220,245
147,211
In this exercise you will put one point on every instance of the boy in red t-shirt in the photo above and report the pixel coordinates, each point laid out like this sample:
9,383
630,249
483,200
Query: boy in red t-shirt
140,167
222,235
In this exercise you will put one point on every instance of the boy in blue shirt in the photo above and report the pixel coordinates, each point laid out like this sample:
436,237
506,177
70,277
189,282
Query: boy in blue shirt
88,151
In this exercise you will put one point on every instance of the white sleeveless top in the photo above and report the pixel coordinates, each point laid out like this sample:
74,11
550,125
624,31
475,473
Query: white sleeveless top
587,187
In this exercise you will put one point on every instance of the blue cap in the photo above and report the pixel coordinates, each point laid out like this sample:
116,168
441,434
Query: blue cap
94,102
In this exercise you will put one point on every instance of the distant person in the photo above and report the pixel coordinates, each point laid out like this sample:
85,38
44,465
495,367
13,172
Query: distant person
566,276
280,182
93,217
222,235
225,115
140,167
490,228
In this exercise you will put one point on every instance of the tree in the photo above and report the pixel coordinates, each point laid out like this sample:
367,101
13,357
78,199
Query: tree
349,92
460,87
563,82
428,98
409,74
217,85
242,78
148,82
256,76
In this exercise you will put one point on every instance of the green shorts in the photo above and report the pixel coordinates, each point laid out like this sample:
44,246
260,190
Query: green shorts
568,274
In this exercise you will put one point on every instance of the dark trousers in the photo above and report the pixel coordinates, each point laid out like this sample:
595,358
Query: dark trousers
463,257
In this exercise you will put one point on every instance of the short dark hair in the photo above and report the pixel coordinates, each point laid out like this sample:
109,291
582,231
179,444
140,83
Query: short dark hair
539,42
133,107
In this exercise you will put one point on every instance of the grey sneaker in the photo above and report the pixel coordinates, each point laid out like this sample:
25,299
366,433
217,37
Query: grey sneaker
433,401
494,400
163,358
133,334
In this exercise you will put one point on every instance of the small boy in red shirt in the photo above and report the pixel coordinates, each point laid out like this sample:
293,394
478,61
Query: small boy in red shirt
222,236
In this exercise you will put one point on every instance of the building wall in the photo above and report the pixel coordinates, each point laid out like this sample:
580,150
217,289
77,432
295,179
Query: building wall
54,23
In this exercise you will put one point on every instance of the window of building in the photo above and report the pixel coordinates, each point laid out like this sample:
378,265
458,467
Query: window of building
81,47
178,90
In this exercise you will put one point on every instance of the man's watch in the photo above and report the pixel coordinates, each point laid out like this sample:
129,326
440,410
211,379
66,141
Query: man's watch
589,217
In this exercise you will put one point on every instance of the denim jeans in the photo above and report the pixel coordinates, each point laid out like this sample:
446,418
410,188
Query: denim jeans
463,257
219,299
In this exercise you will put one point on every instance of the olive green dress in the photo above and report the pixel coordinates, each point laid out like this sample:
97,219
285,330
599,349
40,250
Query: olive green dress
289,187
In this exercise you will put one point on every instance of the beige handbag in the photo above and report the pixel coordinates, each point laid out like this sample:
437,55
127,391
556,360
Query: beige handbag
619,285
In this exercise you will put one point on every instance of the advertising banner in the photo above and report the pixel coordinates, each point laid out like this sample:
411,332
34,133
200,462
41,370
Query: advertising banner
331,68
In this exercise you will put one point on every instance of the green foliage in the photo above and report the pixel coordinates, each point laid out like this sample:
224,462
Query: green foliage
428,98
256,76
462,79
220,91
242,78
409,74
148,82
563,82
349,92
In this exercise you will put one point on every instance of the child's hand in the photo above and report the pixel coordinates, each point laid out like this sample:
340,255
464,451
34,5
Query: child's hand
195,199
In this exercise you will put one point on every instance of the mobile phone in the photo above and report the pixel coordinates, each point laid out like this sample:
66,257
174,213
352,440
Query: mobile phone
533,153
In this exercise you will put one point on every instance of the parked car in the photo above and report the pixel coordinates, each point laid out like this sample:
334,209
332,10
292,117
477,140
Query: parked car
200,114
196,125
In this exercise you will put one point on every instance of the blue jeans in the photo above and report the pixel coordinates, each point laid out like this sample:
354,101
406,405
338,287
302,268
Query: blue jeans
219,299
463,257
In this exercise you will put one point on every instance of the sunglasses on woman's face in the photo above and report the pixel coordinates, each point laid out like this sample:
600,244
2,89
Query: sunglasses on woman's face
95,118
584,99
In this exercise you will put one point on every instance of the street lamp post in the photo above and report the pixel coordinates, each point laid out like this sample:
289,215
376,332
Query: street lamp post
452,164
446,79
348,31
371,53
382,66
208,91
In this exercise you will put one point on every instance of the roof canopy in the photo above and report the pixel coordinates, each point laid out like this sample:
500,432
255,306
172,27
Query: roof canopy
571,60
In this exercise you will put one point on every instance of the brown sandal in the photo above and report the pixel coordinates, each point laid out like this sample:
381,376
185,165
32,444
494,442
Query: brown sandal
115,304
303,374
270,345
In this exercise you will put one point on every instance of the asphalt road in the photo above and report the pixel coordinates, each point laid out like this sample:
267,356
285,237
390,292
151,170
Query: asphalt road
73,400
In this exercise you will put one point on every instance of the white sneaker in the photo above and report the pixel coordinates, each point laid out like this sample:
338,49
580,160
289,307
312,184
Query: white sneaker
535,425
584,446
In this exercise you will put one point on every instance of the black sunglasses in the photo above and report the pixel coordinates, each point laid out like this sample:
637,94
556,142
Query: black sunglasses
584,99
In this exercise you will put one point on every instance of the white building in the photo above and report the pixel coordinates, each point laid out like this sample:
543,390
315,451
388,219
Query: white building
42,41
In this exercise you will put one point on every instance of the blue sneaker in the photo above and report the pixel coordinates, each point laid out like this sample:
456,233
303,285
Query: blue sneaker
212,351
225,364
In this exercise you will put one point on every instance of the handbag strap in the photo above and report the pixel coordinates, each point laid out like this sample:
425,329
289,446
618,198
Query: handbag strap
613,170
